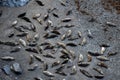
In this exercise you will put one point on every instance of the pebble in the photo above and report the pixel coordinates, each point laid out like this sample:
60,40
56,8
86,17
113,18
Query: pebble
84,64
22,42
66,20
111,24
80,58
83,42
86,73
6,69
33,67
38,78
8,58
49,74
36,16
17,49
17,68
102,58
14,23
74,70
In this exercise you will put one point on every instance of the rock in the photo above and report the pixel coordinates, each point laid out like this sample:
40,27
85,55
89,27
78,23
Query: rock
38,78
33,67
16,68
6,69
13,3
8,58
49,74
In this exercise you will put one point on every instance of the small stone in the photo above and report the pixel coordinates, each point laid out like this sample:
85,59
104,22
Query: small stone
6,69
49,74
8,58
16,68
111,24
38,78
22,42
14,23
33,67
